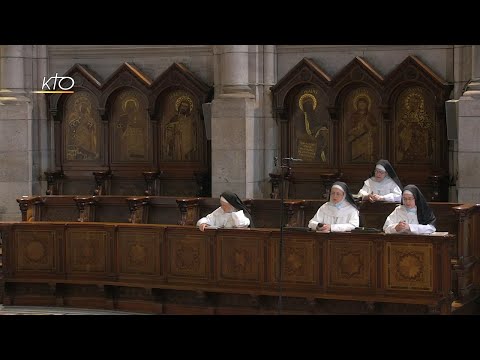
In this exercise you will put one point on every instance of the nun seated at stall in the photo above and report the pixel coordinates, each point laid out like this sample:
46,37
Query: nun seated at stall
413,216
383,185
232,213
339,213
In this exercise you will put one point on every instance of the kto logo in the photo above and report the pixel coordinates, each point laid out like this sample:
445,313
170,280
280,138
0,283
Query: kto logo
59,85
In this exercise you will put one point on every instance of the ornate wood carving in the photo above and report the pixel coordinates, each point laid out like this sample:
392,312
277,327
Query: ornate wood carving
102,182
54,184
138,209
86,251
86,209
29,207
38,249
347,123
151,180
350,264
189,210
129,124
409,266
125,266
140,253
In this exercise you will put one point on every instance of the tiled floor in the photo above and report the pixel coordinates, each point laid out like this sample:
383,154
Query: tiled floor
40,310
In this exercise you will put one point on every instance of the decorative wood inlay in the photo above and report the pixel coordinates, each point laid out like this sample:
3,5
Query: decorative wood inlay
188,255
350,263
239,259
409,266
86,250
139,252
35,250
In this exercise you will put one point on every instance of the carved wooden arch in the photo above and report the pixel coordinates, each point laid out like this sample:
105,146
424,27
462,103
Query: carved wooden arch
127,75
305,72
413,71
358,79
178,79
432,174
85,79
142,143
178,76
356,73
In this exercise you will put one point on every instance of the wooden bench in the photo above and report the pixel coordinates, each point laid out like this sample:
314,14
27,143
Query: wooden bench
180,270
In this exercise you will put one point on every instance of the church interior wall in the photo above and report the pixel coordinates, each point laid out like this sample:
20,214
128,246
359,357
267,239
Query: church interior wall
451,62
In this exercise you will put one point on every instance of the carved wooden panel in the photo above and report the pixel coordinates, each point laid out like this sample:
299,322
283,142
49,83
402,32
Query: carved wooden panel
35,250
82,128
409,266
362,126
112,213
350,263
60,213
128,187
140,252
266,212
130,128
87,251
127,125
298,264
178,187
188,255
311,126
79,186
181,135
397,116
415,126
239,259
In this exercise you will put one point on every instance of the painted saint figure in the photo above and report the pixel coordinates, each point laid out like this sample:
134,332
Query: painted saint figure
132,130
363,130
82,137
180,131
313,141
414,129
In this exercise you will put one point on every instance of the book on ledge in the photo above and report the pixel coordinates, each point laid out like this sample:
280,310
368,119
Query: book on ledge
366,230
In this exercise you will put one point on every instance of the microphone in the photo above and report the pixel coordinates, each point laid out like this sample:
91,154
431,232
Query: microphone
292,159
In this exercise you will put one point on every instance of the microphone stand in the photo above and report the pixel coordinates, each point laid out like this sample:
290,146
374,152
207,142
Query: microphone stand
284,164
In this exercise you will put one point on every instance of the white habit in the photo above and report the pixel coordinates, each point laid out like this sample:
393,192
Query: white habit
410,217
387,188
343,217
220,218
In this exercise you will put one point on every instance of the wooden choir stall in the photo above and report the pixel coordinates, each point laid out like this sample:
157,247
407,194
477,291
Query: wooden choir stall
141,261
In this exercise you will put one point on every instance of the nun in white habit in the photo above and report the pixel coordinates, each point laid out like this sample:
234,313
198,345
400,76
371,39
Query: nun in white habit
339,213
413,216
232,213
383,185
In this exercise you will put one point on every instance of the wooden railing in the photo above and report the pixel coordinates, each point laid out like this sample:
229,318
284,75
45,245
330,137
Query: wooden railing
461,220
178,269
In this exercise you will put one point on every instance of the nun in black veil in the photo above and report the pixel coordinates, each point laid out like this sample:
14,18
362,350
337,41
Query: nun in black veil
340,213
412,216
232,213
383,185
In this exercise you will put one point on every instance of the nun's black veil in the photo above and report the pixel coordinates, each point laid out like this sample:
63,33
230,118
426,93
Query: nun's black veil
237,203
348,195
390,171
424,212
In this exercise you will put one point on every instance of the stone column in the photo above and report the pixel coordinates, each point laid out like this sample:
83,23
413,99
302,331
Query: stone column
232,122
42,144
235,70
15,134
468,185
271,128
12,70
